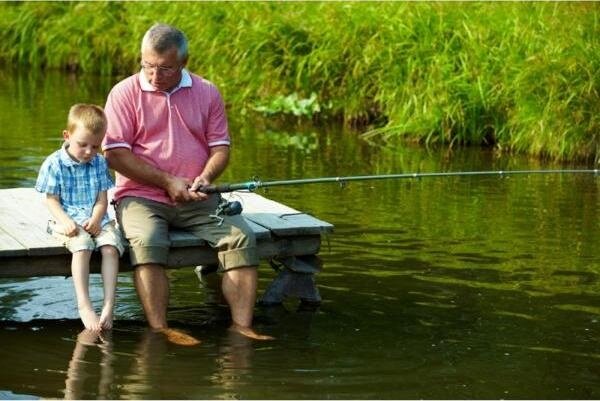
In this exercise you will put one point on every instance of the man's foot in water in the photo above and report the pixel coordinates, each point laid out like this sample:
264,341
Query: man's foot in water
249,332
179,337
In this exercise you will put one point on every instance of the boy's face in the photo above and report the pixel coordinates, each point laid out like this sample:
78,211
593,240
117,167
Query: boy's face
83,144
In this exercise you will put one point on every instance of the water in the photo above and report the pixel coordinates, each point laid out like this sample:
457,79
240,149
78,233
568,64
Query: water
473,287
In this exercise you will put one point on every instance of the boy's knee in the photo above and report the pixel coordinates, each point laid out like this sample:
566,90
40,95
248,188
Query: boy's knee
109,251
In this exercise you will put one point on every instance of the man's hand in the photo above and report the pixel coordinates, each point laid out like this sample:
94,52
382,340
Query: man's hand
198,183
177,189
182,190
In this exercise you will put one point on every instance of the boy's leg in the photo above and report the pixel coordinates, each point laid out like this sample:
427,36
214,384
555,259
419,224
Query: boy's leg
80,270
111,246
109,268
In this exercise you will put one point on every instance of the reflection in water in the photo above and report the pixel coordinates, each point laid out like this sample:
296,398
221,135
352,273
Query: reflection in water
91,371
233,365
81,370
147,365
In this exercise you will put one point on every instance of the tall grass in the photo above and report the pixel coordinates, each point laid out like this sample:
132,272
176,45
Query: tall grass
517,76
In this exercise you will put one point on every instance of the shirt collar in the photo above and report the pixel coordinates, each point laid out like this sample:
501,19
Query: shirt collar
65,158
185,82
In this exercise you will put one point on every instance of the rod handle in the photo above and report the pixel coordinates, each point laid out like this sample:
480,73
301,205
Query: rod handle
213,189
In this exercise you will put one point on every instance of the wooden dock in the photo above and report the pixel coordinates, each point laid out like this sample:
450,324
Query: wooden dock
285,237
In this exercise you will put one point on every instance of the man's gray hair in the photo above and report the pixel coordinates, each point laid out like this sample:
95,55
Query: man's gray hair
163,37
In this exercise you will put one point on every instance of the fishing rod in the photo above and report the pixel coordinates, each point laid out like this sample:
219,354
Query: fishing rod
256,184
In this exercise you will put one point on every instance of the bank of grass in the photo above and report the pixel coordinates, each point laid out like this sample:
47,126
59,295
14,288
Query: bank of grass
517,76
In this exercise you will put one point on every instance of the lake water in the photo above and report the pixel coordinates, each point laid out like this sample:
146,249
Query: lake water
438,288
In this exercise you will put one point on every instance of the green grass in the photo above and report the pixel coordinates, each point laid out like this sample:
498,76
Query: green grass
517,76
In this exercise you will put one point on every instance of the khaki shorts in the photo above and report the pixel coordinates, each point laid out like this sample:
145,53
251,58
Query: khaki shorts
83,241
145,223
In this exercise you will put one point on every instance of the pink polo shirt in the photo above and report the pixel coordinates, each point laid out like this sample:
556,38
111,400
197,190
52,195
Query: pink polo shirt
172,131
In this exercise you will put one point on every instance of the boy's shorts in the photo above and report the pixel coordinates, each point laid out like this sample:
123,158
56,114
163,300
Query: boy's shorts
145,223
83,241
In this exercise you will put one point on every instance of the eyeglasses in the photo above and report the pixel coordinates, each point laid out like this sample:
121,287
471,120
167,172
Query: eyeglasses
167,71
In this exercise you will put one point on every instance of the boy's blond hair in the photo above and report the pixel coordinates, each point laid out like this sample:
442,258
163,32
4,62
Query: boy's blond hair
88,116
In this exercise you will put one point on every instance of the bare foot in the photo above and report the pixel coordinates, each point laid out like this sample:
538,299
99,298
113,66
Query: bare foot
179,337
88,337
89,319
106,318
249,332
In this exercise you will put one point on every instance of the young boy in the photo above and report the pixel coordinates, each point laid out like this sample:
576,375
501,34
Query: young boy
75,179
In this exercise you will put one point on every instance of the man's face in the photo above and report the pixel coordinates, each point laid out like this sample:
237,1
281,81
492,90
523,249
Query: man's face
163,71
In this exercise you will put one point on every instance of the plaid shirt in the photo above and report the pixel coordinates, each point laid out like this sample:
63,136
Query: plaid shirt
76,184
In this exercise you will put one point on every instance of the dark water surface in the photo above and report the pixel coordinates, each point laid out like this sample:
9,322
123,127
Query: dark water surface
473,287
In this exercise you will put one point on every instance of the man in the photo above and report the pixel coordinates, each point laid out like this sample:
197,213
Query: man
167,136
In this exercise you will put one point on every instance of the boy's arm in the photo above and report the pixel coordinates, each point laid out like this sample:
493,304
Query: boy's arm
56,210
93,225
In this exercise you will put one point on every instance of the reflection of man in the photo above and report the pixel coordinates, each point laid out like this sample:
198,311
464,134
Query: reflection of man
234,364
167,136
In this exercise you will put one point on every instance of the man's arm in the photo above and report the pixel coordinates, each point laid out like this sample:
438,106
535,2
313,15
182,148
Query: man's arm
215,165
126,163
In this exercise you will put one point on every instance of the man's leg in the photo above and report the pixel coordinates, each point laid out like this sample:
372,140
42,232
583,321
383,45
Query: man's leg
152,285
145,225
238,258
239,289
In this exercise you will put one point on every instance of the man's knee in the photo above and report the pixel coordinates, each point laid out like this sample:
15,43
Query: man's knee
241,238
240,235
149,255
149,268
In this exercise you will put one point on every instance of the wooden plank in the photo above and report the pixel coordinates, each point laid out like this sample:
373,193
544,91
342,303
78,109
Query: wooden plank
255,203
9,246
282,220
21,220
34,213
30,201
308,224
59,265
260,232
26,249
294,224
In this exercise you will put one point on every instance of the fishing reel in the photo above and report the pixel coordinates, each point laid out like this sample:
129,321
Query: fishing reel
226,208
229,208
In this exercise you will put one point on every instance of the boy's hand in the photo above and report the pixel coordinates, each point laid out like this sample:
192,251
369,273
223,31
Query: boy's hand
69,228
92,227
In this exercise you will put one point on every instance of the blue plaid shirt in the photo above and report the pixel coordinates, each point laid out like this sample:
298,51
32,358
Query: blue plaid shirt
76,184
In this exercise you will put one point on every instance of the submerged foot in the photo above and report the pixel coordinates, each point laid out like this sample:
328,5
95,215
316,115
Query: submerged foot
88,337
90,319
106,318
179,337
249,332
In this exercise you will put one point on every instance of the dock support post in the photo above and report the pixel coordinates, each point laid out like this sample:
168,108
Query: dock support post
296,278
